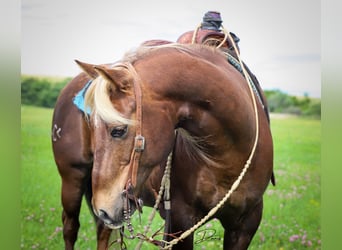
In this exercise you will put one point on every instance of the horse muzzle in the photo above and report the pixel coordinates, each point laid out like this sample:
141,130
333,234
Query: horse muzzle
115,216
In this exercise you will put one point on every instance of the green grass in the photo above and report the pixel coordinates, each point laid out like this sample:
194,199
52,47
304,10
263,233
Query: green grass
292,208
291,211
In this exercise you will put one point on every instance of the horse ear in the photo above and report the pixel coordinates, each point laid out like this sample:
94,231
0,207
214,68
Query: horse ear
88,68
119,76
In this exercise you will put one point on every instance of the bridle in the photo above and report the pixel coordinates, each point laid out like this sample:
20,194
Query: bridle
138,148
139,140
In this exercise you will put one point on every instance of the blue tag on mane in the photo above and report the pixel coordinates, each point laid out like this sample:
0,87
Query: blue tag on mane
78,99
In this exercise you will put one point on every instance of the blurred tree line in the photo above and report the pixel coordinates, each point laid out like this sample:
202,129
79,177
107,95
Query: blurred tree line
43,91
280,102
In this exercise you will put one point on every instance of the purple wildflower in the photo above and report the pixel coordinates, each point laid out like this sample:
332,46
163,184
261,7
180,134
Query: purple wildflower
294,238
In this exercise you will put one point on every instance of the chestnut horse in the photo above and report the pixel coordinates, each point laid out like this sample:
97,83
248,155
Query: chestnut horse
222,154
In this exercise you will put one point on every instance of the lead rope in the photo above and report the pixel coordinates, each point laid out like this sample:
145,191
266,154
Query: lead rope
237,182
165,185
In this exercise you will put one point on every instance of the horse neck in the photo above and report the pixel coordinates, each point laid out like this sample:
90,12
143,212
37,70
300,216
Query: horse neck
205,96
210,102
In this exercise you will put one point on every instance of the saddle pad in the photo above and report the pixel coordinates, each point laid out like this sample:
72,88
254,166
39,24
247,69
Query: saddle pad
78,99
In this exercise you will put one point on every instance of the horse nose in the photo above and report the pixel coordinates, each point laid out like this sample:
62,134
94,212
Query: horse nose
103,215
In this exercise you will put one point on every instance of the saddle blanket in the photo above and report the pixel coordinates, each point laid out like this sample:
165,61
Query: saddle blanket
78,99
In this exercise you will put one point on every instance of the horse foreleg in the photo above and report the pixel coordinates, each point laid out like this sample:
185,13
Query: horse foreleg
186,243
180,223
240,237
73,187
71,210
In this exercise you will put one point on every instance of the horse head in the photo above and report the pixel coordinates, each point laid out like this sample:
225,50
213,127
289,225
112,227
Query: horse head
124,146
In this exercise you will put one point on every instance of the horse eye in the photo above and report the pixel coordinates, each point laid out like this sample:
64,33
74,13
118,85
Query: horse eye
119,131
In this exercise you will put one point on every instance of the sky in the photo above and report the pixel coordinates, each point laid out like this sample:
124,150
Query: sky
279,40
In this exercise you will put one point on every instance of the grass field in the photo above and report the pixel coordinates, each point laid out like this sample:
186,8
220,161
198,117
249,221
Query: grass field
291,212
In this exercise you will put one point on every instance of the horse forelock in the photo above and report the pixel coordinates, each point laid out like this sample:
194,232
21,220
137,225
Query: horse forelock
97,98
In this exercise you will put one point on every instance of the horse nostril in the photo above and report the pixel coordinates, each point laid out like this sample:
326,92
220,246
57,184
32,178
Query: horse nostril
108,220
104,216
